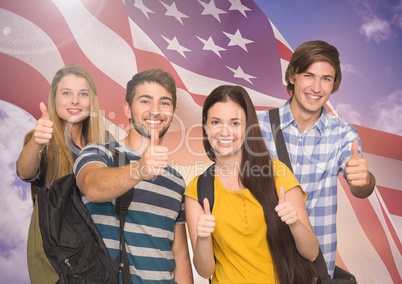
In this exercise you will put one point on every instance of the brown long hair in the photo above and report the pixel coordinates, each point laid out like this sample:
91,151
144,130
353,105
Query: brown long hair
58,158
289,265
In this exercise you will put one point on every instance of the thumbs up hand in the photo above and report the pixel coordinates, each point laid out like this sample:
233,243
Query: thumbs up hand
357,173
285,210
155,158
206,221
43,130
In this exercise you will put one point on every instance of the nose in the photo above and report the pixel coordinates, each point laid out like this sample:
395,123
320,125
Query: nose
225,130
316,86
75,99
155,110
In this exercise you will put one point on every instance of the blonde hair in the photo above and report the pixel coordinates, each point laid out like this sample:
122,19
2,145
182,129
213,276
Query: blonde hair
58,158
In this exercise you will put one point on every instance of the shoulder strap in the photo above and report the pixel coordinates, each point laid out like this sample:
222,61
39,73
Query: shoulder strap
121,209
278,137
284,157
205,186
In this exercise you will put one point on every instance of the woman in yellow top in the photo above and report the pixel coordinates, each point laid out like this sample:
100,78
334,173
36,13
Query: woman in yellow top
259,231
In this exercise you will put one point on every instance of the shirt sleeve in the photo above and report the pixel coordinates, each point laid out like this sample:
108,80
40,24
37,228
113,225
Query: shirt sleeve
93,153
191,190
283,176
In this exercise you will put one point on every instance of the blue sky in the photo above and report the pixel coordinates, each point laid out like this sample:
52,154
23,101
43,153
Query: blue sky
368,35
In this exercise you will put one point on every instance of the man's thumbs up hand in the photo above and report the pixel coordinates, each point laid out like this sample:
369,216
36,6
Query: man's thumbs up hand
357,173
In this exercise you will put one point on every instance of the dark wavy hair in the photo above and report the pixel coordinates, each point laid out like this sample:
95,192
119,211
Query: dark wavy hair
289,265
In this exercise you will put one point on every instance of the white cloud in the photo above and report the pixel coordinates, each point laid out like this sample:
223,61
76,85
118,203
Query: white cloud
15,200
350,69
348,114
389,113
376,29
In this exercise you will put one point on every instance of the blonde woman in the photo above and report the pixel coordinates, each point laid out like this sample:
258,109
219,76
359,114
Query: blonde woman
69,122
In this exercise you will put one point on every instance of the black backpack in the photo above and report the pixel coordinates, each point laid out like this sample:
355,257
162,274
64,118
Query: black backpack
70,238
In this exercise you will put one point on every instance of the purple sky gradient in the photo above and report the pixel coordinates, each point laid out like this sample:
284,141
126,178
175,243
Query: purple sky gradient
368,35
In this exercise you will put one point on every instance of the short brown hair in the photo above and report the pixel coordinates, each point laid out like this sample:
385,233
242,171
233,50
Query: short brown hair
311,52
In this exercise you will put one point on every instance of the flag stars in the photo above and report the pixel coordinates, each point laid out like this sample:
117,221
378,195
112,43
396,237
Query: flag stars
239,73
211,9
210,45
172,11
176,46
237,39
140,5
237,5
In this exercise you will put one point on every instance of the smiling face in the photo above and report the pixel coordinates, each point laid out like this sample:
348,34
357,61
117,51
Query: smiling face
73,99
152,107
226,128
312,90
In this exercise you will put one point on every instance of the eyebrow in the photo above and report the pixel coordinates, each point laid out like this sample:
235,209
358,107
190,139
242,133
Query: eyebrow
232,119
151,97
69,89
311,73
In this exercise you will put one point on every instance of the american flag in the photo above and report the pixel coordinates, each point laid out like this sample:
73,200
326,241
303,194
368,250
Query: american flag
203,43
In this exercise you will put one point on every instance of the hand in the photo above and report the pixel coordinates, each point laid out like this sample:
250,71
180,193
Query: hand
43,130
357,173
154,160
206,221
285,209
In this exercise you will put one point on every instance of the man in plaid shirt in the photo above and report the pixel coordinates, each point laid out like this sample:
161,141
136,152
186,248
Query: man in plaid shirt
320,145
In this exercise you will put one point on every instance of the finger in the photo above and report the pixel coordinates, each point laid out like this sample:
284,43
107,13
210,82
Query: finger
355,150
154,137
281,195
207,208
43,110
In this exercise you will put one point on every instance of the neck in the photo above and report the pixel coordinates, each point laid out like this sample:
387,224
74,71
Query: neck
77,136
137,142
305,119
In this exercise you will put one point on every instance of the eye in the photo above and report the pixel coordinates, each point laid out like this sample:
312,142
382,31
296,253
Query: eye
144,102
166,103
214,122
236,123
66,93
84,94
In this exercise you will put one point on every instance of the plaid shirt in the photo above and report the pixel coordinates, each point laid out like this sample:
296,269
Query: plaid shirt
317,156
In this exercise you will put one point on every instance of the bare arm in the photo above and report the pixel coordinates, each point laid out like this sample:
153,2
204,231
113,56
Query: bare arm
183,272
292,210
100,183
201,224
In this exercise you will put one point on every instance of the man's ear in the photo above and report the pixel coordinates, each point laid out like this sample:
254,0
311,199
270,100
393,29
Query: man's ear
292,79
127,110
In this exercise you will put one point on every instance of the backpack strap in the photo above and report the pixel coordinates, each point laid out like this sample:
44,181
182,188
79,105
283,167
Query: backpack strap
278,137
284,157
121,209
205,186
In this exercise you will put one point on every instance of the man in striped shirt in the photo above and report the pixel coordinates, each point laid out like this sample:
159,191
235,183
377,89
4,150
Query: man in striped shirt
320,145
155,232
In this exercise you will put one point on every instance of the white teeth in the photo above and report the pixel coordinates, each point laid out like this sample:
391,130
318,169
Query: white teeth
226,141
153,121
313,97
